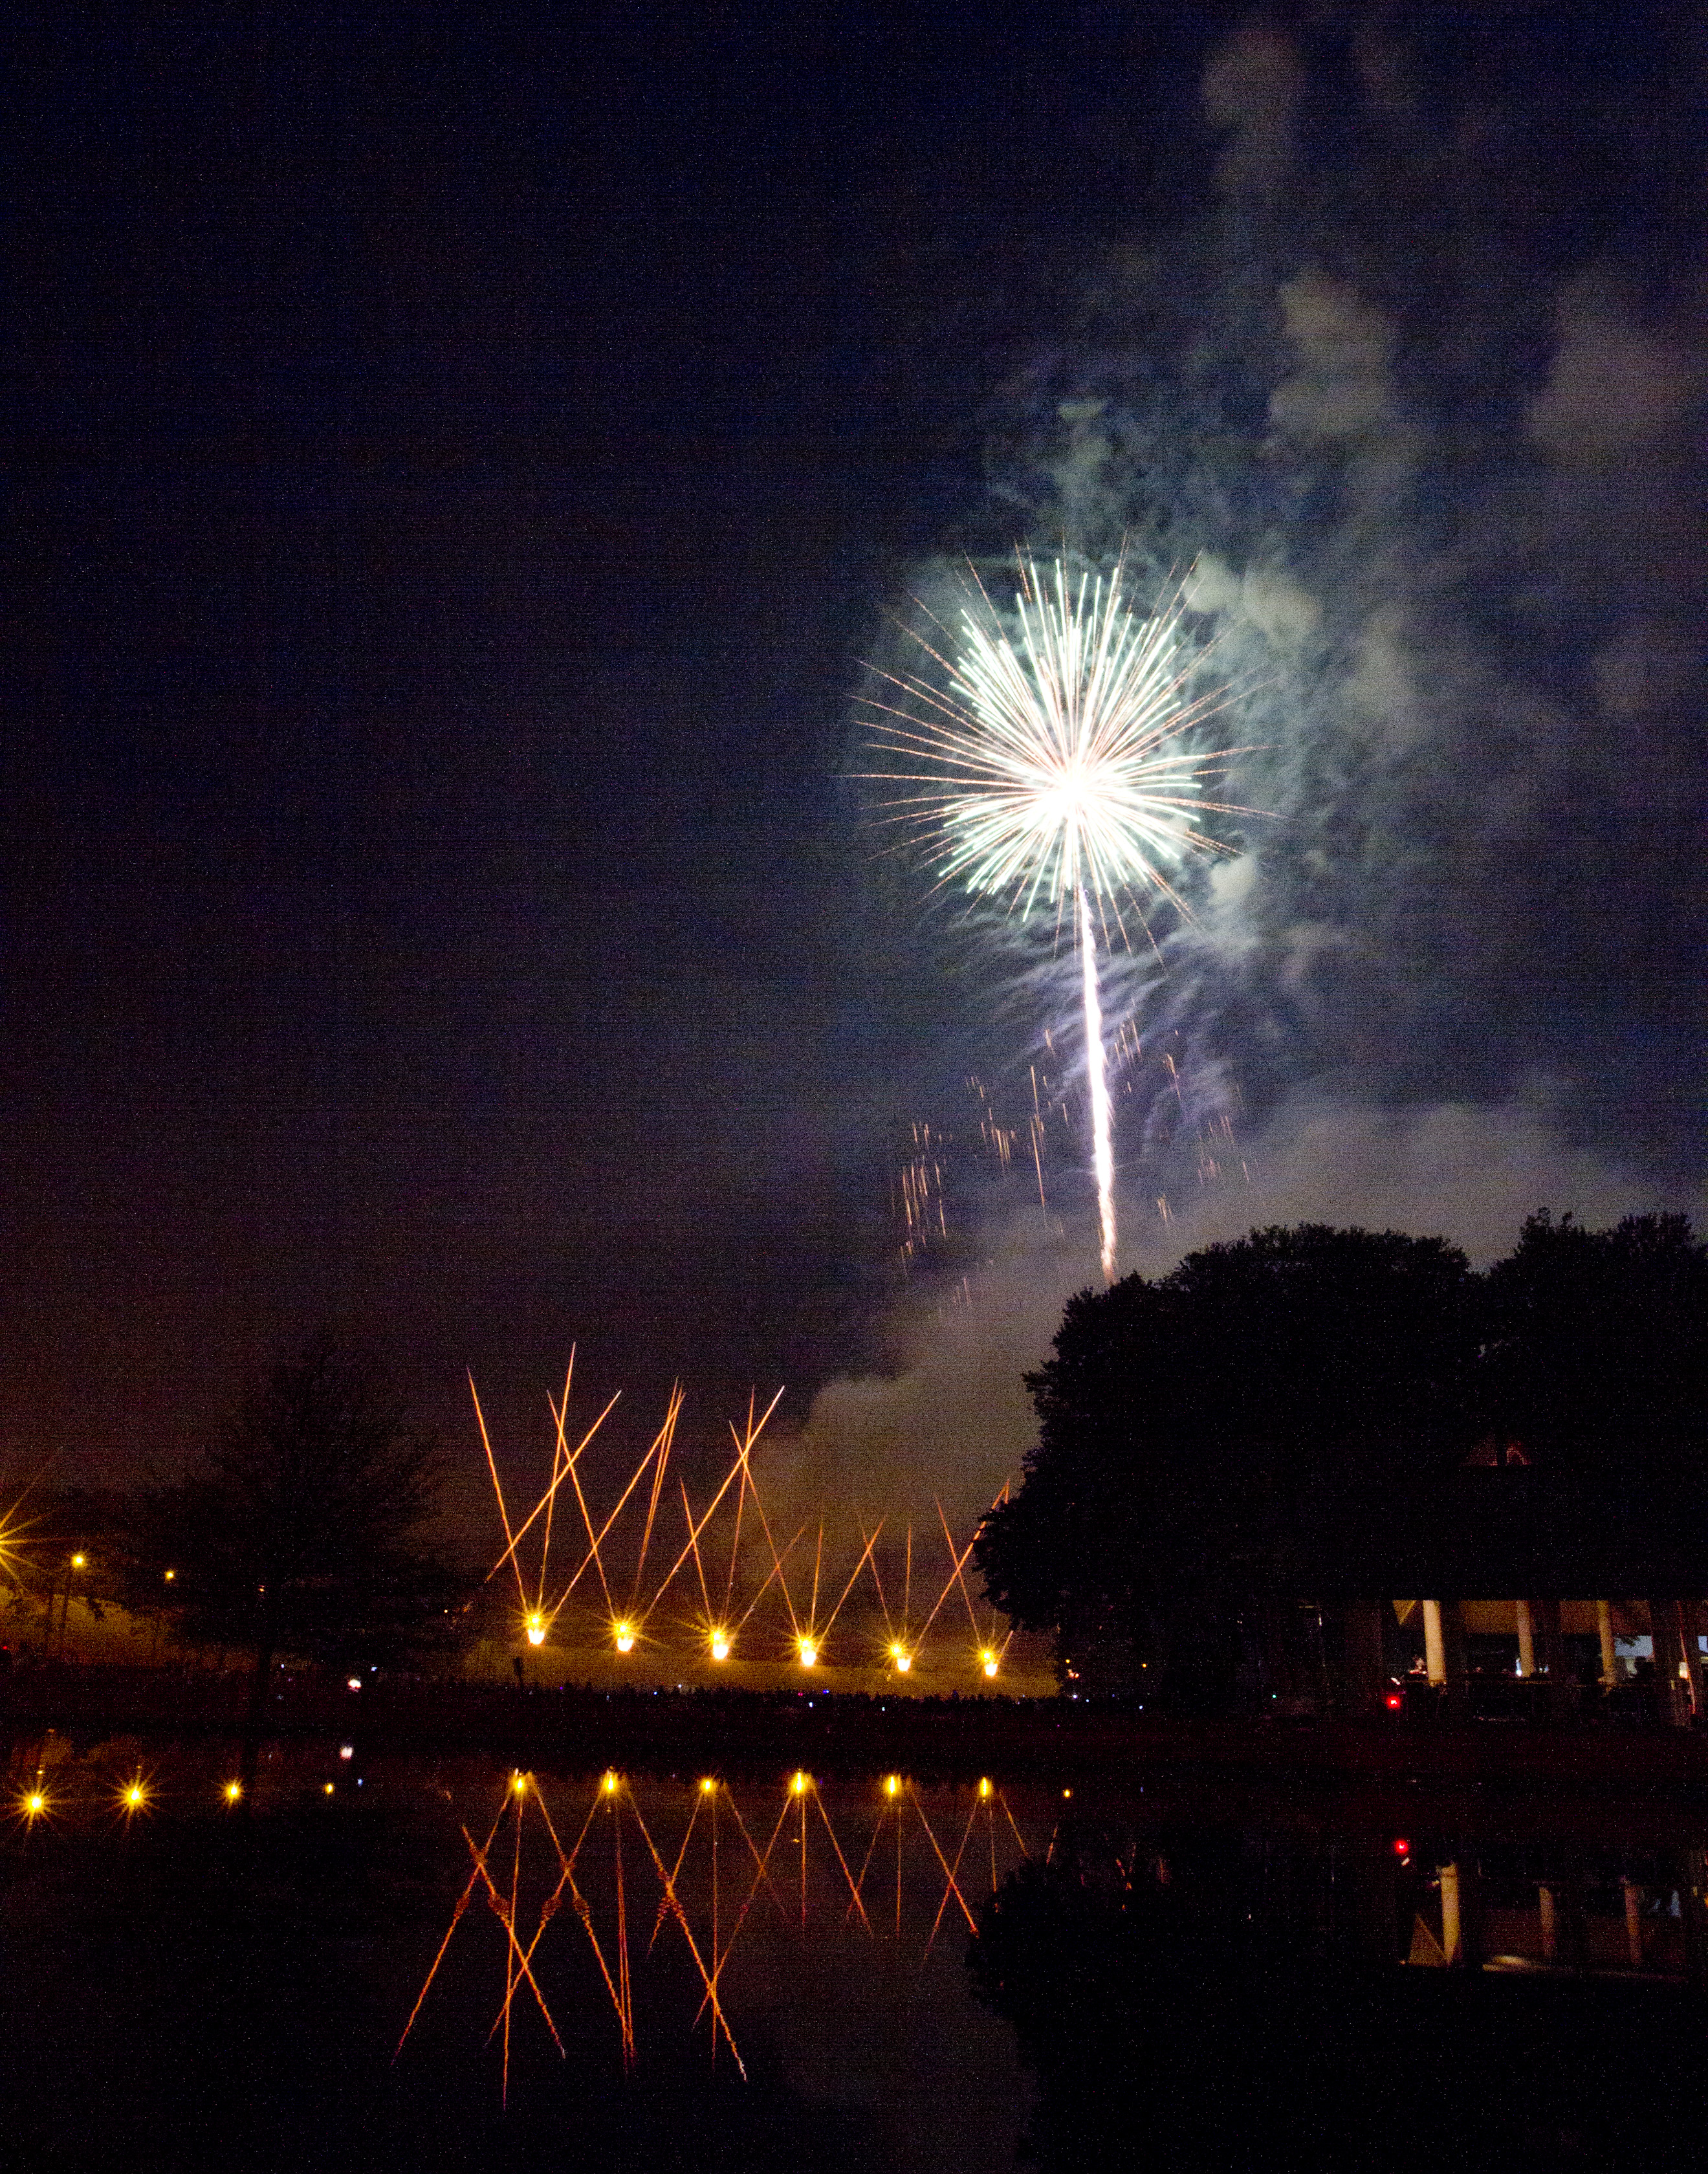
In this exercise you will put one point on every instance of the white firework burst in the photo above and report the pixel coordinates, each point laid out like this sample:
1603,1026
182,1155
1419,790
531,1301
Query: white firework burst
1053,765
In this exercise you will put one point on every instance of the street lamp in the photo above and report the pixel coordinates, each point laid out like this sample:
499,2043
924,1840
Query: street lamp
79,1560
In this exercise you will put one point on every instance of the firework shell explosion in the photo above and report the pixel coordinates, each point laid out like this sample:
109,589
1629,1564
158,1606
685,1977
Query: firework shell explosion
1049,761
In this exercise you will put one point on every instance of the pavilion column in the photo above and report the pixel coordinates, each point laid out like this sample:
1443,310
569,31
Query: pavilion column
1634,1922
1675,1678
1527,1639
1460,1942
1688,1666
1604,1630
1691,1866
1564,1937
1434,1646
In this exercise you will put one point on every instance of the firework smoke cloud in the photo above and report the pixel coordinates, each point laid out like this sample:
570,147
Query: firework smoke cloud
1404,369
1420,396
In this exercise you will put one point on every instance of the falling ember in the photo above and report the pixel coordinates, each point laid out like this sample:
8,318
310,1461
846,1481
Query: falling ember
1054,771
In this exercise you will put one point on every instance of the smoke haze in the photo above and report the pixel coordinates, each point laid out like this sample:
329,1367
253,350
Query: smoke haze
1416,390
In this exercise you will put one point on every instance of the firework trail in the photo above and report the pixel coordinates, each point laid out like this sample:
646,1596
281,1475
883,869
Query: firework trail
1054,770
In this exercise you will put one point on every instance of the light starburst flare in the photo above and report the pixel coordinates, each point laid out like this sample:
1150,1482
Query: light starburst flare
1050,761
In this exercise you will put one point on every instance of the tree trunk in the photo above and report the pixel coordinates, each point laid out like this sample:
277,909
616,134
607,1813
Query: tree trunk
254,1721
255,1717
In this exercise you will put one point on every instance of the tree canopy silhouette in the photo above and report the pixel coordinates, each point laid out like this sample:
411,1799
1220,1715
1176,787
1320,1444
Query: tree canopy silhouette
1312,1411
303,1530
1594,1360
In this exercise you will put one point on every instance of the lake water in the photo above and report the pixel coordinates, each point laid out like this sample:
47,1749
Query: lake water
640,1971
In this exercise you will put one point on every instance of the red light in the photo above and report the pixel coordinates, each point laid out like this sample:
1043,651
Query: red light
1395,1701
1401,1848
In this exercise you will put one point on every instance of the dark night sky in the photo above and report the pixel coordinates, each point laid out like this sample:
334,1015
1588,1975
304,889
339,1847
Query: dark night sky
455,464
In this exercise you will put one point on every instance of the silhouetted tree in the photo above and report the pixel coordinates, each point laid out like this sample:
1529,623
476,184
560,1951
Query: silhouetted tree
1341,1414
1241,1428
1594,1369
301,1533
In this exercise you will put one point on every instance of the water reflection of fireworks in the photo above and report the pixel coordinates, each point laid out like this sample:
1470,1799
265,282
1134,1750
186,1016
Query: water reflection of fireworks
730,1596
696,1888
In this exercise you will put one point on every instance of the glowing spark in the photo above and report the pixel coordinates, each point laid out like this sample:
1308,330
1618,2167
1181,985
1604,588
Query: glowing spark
809,1654
535,1628
720,1645
232,1792
902,1659
625,1637
988,1661
1053,770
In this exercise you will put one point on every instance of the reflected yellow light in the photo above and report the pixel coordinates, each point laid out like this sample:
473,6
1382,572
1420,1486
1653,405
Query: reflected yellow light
809,1654
800,1783
625,1637
232,1792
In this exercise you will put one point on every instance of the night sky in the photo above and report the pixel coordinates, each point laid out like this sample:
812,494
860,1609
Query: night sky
456,466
